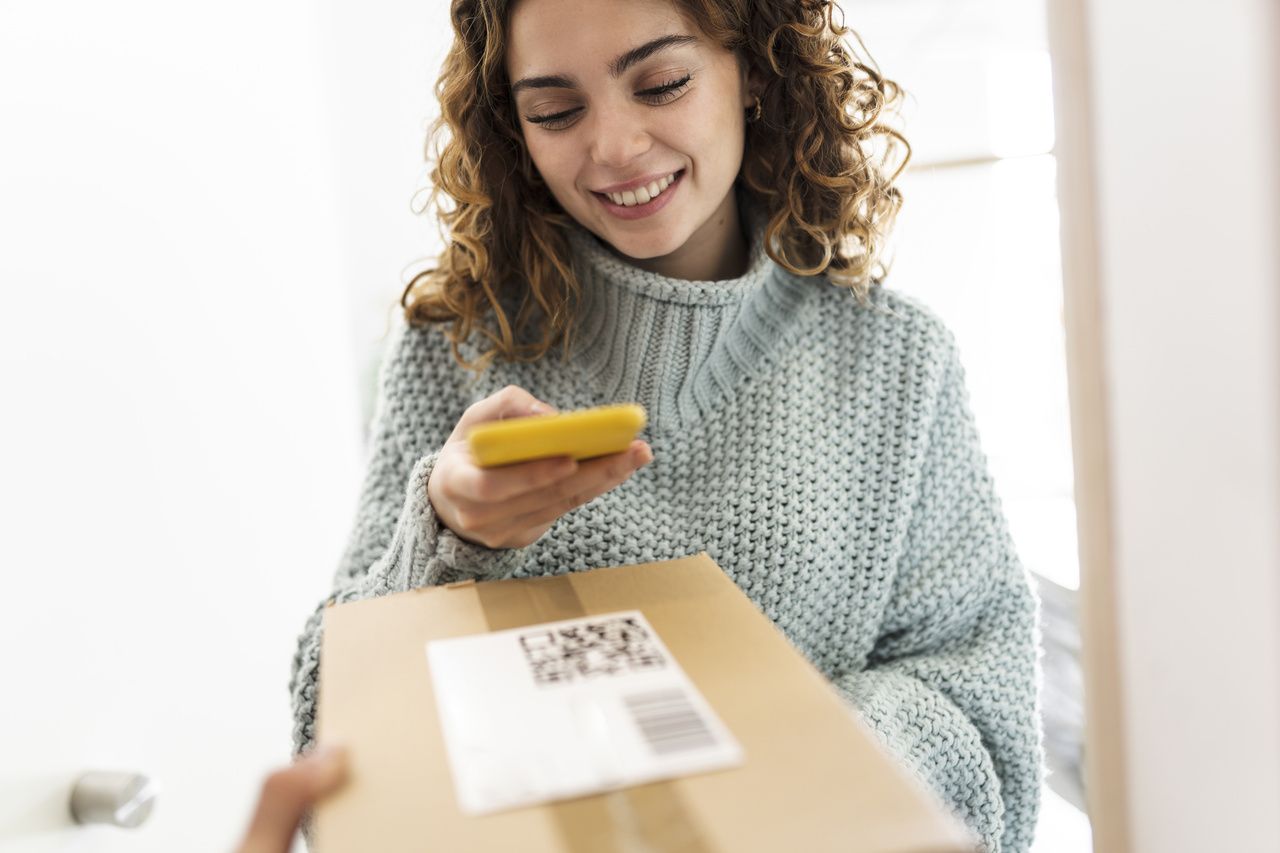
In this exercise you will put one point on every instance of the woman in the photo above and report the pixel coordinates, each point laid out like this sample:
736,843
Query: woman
670,203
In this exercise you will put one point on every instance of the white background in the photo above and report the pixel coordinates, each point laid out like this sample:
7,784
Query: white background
181,437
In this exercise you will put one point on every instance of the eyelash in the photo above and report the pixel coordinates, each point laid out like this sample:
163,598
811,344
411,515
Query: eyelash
664,94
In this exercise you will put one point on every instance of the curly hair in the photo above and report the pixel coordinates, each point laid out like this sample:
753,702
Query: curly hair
505,272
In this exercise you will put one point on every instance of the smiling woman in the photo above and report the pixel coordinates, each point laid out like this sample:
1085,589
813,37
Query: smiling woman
685,196
581,103
669,110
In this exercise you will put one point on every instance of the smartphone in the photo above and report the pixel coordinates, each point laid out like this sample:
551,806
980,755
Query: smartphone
583,434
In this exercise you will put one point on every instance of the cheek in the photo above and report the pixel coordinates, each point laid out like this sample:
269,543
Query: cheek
553,161
709,132
709,125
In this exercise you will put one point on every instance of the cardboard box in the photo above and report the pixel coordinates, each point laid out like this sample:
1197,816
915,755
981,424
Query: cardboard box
814,779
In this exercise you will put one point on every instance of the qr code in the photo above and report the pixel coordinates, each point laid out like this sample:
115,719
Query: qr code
569,653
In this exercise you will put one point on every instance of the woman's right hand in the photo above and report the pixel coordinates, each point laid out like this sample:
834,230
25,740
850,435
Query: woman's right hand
513,505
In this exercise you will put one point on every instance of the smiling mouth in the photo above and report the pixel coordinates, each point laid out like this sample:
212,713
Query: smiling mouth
642,195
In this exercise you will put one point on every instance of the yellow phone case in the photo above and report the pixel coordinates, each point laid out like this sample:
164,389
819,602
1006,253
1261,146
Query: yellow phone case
582,434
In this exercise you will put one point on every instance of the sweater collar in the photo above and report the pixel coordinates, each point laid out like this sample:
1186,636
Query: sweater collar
679,348
606,266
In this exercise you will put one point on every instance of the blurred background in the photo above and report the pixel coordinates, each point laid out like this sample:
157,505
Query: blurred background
208,215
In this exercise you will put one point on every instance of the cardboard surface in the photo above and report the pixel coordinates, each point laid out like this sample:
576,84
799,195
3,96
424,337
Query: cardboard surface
815,778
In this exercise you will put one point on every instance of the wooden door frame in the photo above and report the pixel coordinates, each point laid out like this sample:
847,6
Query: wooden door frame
1105,771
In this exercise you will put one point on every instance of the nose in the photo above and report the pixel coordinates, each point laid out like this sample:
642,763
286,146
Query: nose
618,136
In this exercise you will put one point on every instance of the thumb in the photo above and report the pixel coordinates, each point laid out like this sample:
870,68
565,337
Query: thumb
511,402
287,794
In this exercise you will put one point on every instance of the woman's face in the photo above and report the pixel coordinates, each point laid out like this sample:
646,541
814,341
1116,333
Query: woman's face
606,123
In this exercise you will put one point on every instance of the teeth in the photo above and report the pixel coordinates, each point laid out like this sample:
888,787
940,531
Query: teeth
641,195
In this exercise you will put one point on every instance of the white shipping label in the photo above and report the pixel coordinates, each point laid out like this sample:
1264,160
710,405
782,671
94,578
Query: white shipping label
569,708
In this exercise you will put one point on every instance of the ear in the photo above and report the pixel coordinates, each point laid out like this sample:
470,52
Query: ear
752,86
751,81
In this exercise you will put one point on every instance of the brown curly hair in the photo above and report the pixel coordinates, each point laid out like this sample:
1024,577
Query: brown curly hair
505,273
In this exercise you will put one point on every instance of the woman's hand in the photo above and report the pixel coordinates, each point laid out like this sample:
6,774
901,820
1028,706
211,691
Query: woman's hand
287,794
513,505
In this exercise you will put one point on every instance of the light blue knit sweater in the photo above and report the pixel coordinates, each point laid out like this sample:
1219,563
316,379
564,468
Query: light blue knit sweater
824,454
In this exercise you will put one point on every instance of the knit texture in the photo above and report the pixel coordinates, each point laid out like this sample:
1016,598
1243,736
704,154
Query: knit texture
823,453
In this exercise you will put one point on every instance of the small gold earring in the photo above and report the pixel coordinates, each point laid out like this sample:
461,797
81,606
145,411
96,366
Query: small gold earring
757,112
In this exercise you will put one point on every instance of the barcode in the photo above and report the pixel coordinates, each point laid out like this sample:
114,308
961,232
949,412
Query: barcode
669,721
602,647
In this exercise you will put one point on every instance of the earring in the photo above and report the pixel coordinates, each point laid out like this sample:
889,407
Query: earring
754,114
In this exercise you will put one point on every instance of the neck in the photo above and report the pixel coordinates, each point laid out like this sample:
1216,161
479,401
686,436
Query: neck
718,250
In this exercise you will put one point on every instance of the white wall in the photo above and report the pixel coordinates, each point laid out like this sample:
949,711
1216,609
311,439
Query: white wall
180,448
380,63
1182,110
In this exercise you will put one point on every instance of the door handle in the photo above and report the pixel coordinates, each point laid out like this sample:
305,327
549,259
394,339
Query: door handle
119,799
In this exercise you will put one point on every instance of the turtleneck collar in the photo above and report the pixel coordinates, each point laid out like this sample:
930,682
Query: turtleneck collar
679,348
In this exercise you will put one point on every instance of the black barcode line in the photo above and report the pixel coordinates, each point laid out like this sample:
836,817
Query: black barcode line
669,722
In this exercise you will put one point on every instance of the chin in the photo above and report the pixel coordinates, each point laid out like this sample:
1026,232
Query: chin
644,244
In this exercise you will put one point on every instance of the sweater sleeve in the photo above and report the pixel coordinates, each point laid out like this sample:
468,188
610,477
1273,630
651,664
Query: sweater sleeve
397,542
952,684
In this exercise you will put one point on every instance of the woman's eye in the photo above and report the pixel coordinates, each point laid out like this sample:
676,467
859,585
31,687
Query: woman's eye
657,96
555,121
666,92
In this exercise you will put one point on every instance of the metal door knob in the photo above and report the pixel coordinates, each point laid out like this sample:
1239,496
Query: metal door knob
119,799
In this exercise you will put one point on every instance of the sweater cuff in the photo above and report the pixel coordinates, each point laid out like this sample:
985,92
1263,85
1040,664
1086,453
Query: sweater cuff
929,736
424,552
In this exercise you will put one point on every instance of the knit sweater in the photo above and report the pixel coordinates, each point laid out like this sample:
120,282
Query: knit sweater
823,453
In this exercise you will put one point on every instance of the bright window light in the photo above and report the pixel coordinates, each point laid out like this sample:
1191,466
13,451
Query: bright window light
1020,103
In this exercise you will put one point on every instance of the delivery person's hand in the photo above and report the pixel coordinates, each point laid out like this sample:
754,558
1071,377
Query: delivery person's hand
513,505
287,794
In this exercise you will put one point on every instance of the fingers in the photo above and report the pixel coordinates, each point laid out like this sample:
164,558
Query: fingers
504,507
511,402
593,478
493,486
286,795
510,522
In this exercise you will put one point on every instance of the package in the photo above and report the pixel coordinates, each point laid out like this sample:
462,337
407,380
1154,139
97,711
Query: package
662,688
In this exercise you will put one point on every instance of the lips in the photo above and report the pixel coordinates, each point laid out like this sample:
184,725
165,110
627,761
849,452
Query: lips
628,204
633,193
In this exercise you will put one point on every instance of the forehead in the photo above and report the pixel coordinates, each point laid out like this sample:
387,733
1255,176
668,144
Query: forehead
583,36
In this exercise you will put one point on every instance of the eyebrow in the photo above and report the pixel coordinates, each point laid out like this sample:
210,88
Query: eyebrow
619,65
